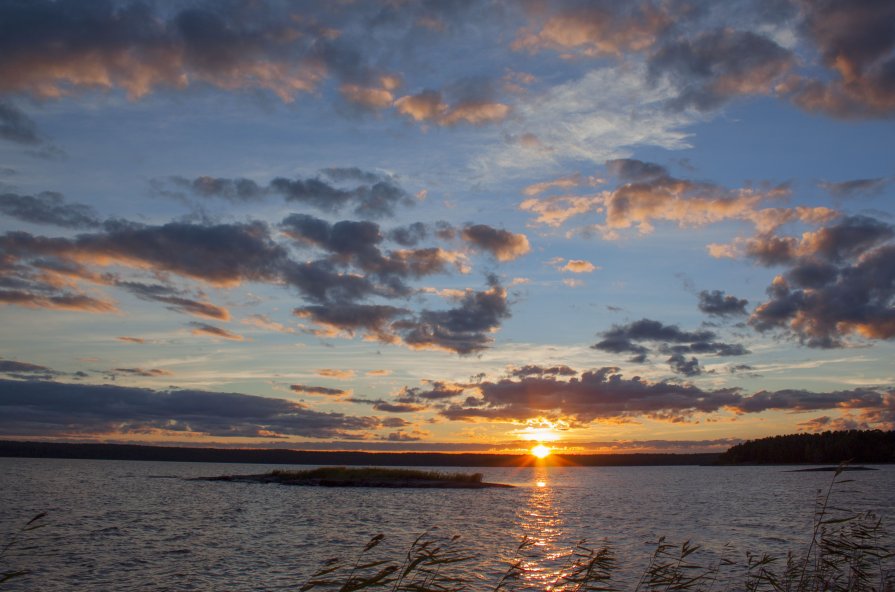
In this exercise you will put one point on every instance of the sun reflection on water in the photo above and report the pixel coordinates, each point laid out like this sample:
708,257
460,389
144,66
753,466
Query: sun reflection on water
541,521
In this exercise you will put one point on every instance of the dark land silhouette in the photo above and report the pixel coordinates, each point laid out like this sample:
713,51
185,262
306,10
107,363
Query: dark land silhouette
314,457
857,446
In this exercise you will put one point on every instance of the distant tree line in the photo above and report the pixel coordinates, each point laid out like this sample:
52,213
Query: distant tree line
859,446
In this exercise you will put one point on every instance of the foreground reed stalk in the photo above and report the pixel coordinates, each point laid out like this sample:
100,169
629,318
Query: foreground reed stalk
848,551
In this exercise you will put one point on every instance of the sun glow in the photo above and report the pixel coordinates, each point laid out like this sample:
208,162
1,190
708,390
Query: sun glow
540,451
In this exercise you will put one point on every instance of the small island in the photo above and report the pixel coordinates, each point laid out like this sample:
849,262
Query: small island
364,477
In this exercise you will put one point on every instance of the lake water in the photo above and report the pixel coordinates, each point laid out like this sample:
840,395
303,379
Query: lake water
115,525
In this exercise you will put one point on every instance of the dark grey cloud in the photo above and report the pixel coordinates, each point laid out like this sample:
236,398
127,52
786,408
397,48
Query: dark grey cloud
48,208
27,371
48,49
369,194
598,394
410,235
630,170
464,329
534,370
373,319
650,330
840,281
59,409
358,244
714,67
389,406
802,400
175,299
16,126
214,331
670,340
604,394
142,372
855,39
503,245
717,303
856,187
317,390
679,364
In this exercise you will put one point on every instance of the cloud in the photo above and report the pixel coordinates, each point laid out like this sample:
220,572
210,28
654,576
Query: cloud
596,29
464,329
502,244
576,266
671,341
378,372
648,194
412,436
48,208
14,367
357,243
59,409
128,339
714,67
534,370
175,300
389,407
216,332
372,195
335,373
143,372
605,395
840,281
561,183
263,322
855,41
717,303
317,390
856,187
51,50
17,127
567,128
338,318
430,106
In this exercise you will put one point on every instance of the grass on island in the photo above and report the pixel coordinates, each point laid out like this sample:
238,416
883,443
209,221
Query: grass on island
368,474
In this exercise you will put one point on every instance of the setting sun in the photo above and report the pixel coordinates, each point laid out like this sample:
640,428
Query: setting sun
540,451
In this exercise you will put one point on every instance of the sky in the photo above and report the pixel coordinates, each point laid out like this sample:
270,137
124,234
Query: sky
416,225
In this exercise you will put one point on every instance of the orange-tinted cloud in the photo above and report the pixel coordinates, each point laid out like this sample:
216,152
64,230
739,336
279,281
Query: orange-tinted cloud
216,332
502,244
429,106
597,29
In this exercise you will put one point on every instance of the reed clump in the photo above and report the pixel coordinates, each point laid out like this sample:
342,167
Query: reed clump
848,552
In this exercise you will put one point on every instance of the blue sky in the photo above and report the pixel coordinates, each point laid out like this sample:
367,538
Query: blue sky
446,225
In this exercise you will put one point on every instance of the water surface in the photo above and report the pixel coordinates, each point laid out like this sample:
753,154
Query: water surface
125,525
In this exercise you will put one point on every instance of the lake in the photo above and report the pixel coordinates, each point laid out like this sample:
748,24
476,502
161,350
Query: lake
124,525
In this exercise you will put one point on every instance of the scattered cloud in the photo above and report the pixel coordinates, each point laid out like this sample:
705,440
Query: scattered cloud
216,332
502,244
335,373
60,409
318,390
671,340
839,282
370,194
718,304
48,208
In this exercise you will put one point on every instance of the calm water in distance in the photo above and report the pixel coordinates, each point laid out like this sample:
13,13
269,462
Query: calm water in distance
122,525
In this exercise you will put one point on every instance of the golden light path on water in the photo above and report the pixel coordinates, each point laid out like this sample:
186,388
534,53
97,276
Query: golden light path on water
542,526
